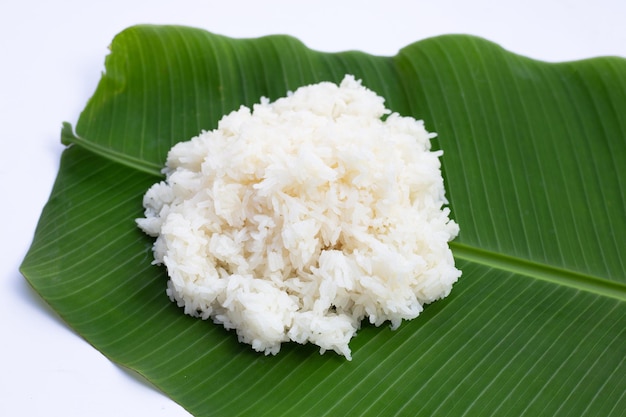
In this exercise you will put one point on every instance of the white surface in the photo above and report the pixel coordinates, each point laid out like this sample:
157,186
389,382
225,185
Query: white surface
51,55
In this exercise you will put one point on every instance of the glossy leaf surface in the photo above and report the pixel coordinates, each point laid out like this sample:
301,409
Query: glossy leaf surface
533,164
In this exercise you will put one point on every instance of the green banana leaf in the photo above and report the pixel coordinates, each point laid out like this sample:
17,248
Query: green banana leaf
534,166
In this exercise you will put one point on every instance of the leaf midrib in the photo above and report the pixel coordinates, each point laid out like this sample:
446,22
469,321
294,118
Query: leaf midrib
535,270
69,137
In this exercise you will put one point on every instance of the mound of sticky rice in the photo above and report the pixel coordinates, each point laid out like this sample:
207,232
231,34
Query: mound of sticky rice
299,219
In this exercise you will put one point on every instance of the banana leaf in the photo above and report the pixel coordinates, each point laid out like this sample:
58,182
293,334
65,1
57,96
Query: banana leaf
534,157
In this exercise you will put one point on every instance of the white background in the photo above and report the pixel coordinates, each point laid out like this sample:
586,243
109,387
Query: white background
51,57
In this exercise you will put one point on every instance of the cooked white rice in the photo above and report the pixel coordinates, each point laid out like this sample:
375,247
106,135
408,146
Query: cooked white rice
297,220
